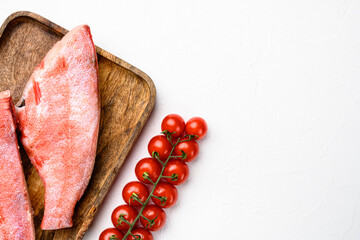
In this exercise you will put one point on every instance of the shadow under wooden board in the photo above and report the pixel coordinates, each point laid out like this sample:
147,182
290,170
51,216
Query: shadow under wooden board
127,99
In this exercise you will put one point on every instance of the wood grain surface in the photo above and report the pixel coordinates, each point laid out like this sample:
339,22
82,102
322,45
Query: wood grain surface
127,99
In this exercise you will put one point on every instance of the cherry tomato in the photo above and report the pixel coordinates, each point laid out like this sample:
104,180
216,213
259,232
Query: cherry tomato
111,232
161,145
133,189
151,212
141,233
173,123
191,148
167,192
196,126
127,212
178,170
150,167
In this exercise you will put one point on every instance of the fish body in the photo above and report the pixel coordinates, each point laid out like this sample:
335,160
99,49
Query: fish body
16,221
59,122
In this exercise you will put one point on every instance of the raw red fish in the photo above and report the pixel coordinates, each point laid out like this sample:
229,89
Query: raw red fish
59,122
16,220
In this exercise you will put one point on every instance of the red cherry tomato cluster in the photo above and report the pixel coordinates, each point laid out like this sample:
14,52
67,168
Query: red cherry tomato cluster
157,176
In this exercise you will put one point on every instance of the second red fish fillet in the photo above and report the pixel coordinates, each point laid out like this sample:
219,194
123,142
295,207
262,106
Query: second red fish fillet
59,123
16,222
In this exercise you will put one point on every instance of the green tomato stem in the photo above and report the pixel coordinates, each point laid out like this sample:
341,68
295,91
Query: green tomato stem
135,197
152,190
146,177
157,158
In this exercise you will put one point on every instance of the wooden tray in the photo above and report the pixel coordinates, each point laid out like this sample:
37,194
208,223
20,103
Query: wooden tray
127,99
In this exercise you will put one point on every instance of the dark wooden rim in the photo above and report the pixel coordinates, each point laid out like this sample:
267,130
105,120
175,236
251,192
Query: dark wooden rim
133,137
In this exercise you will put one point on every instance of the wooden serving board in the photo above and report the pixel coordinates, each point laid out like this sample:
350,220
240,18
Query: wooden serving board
127,99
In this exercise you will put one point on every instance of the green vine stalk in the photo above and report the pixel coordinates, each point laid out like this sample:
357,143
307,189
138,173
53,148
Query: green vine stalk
146,176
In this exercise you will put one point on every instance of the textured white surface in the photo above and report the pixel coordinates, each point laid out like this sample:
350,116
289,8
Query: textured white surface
279,85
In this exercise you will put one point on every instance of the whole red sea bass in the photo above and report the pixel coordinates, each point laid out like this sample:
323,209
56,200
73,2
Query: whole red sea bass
16,222
59,123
